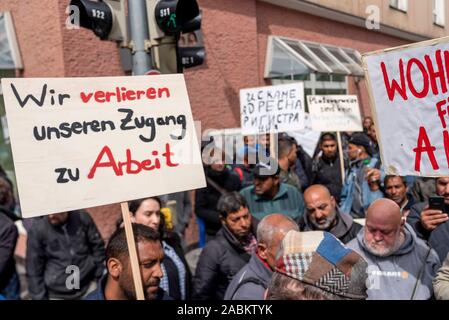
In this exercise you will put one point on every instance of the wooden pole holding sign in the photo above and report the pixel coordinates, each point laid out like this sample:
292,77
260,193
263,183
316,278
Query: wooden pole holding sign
342,159
273,140
133,258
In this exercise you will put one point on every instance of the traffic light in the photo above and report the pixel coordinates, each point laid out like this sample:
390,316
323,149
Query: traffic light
167,19
106,18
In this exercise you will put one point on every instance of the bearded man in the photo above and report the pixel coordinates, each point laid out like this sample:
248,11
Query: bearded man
323,214
400,265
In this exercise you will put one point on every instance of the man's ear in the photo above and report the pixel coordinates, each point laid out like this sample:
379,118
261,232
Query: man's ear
115,267
403,220
222,220
262,250
333,202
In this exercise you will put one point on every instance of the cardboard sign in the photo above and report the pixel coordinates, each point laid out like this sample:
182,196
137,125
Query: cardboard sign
84,142
409,94
307,138
335,113
272,109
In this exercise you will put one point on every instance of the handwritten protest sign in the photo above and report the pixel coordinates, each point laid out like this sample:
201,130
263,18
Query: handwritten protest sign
408,87
335,113
272,109
307,138
84,142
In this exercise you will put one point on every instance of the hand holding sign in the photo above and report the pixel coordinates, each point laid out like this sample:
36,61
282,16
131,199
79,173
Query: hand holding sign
84,142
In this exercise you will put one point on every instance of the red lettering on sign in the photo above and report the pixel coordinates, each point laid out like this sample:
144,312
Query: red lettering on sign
394,86
427,147
130,166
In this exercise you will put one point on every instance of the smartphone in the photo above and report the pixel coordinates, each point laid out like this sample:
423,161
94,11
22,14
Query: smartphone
436,203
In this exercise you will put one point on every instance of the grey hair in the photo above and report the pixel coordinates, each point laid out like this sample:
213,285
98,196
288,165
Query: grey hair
266,230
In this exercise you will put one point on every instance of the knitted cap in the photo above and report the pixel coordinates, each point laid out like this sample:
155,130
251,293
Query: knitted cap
321,260
361,139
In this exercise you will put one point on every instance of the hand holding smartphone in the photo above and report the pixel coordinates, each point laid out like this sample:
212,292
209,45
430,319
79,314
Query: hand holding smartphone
436,203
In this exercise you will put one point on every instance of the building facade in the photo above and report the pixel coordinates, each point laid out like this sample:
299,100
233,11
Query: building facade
248,43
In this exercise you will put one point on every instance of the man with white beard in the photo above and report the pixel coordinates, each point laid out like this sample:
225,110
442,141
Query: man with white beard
400,265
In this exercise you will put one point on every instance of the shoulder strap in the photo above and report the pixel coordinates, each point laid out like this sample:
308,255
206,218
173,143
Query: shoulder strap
216,186
415,289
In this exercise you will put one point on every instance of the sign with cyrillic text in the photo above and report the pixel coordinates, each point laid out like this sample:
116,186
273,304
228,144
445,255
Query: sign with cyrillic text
272,109
335,113
84,142
409,94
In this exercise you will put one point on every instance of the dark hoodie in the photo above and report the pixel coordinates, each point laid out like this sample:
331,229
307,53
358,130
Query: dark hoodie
345,229
394,277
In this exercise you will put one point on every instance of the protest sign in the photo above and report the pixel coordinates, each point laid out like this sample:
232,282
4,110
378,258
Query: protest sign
307,138
335,113
408,87
272,109
84,142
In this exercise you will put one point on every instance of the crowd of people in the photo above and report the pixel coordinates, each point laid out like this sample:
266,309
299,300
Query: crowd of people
286,226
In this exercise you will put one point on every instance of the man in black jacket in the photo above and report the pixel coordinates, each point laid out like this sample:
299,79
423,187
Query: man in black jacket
9,283
220,179
326,169
59,246
433,225
228,252
322,214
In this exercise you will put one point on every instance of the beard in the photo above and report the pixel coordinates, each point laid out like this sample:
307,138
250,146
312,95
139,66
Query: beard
327,224
126,283
382,250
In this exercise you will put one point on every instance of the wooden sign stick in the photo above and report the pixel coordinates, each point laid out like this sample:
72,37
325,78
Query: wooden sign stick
273,144
342,159
135,266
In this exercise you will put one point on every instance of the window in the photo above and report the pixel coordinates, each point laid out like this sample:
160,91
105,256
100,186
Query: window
439,12
399,5
289,57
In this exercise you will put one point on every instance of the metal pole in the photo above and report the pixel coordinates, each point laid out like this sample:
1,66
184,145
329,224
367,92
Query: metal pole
137,15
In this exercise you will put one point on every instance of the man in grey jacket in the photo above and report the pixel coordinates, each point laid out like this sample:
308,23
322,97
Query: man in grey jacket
252,280
401,266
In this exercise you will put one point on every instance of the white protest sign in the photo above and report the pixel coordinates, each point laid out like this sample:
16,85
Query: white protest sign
85,142
307,138
408,88
272,109
335,113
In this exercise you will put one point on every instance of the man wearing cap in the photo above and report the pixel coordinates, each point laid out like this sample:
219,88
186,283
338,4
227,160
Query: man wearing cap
268,195
362,182
323,214
315,265
401,266
252,280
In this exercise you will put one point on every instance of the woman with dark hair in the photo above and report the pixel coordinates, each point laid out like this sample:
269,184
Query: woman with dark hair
177,277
